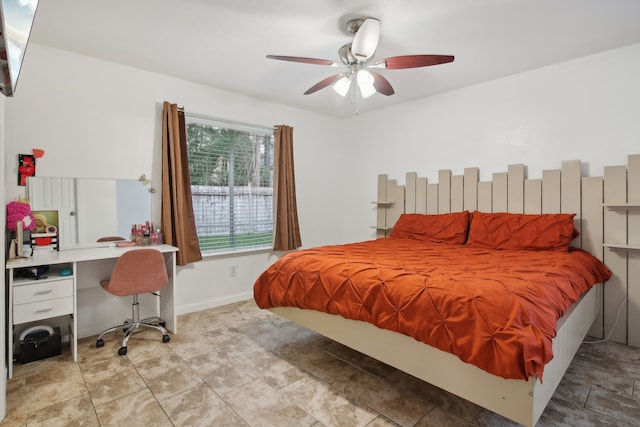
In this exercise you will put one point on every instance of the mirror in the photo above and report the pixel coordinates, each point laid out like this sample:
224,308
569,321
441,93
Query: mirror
16,20
90,208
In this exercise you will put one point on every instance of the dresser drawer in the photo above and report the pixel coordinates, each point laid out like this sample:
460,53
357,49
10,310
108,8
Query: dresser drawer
50,289
23,313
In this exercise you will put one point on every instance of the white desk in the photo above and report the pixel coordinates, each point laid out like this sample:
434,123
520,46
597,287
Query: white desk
32,300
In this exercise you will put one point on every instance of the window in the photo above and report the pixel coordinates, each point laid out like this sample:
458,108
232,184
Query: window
231,167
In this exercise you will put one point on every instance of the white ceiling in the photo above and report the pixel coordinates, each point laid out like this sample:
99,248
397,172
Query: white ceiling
223,43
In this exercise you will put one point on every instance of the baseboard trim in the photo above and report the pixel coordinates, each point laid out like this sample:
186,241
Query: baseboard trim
217,302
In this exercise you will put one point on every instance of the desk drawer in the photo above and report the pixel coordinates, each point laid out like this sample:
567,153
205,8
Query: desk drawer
23,313
51,289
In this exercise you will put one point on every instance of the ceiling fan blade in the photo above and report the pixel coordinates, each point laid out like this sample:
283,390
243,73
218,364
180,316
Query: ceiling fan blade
412,61
322,84
381,84
314,61
365,41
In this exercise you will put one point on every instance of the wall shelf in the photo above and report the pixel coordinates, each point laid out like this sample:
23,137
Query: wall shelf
622,247
622,206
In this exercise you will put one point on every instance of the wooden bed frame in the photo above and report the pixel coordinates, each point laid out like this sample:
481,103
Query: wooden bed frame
565,191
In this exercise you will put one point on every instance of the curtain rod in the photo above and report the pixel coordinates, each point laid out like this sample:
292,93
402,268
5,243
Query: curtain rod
231,122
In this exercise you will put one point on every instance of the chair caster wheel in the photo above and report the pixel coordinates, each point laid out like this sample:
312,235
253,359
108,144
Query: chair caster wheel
99,343
122,351
166,338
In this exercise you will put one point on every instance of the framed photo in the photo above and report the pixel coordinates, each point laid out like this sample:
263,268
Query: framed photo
44,237
45,221
26,167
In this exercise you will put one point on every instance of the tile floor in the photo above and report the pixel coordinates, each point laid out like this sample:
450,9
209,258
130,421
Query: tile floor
241,366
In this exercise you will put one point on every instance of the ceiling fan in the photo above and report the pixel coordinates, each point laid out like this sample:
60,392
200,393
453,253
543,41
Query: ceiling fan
357,59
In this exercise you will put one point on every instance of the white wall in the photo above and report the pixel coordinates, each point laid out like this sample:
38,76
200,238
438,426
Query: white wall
3,326
585,109
99,119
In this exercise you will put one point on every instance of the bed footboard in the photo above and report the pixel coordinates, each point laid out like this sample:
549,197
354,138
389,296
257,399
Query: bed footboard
520,401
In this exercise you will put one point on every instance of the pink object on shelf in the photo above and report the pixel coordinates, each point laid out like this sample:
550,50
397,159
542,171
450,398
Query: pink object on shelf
19,211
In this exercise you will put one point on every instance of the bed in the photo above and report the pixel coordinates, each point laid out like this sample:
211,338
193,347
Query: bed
456,270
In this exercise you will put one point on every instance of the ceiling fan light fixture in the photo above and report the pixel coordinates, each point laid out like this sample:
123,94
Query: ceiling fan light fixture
365,83
365,41
357,56
342,86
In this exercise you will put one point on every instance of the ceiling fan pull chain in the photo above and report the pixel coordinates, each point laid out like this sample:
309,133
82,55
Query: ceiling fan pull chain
352,91
355,91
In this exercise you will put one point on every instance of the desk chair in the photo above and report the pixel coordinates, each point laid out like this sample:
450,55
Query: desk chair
136,271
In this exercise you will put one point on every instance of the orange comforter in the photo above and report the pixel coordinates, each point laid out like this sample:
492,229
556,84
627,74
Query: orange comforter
496,309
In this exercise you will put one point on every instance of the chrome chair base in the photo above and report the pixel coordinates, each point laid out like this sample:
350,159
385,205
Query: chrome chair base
130,325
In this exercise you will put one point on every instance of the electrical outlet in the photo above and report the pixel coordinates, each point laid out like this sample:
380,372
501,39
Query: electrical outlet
233,271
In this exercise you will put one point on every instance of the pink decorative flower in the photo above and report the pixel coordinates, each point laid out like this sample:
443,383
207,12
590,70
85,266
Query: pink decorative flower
19,211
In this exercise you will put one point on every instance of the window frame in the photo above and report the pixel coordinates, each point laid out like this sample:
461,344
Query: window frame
264,159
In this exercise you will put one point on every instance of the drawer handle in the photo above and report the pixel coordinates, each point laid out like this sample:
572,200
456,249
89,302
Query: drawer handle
44,310
43,292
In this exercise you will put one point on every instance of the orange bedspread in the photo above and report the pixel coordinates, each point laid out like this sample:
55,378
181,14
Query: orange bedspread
496,309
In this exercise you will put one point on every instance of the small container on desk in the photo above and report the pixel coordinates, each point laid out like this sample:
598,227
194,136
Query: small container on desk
44,243
157,238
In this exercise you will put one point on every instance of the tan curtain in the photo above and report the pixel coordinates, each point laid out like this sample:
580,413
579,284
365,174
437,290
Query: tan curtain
287,229
178,222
